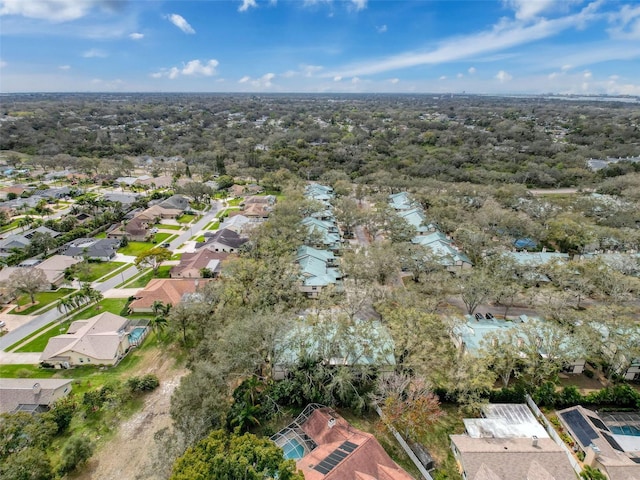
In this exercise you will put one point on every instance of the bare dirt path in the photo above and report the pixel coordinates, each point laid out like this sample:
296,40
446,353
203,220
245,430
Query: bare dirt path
130,452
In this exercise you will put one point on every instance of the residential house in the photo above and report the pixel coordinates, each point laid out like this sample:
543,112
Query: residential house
318,269
83,218
55,266
470,336
365,342
192,264
324,234
417,219
126,181
237,223
242,190
32,395
168,291
55,193
224,240
402,201
508,443
126,199
443,248
22,240
326,447
321,193
622,359
610,441
176,202
15,189
536,259
136,229
101,340
155,213
101,249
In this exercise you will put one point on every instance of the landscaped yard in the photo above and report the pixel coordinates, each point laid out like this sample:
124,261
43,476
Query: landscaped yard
169,227
142,280
113,305
43,299
235,202
9,226
213,225
136,248
101,235
162,237
186,218
98,270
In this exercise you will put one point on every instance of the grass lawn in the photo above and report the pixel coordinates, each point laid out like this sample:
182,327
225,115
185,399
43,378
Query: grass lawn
235,202
176,256
11,347
213,225
116,271
44,298
169,227
99,270
113,305
101,235
199,238
39,343
142,280
10,226
136,248
162,237
186,218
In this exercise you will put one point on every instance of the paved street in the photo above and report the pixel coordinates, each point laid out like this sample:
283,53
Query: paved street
40,321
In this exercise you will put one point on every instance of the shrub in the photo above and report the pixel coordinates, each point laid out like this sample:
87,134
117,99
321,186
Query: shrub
146,383
76,451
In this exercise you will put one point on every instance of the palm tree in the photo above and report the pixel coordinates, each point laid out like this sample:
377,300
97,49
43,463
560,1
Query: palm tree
158,324
67,304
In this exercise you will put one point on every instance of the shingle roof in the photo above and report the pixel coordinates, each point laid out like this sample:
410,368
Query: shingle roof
368,459
197,261
97,337
28,391
92,247
167,291
226,237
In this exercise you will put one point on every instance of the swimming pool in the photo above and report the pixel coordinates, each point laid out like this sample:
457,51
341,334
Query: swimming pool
626,430
293,450
136,334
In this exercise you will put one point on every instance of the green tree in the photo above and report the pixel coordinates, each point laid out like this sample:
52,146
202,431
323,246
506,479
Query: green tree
222,456
76,451
41,243
27,464
153,258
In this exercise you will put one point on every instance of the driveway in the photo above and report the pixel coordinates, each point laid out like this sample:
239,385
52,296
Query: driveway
31,358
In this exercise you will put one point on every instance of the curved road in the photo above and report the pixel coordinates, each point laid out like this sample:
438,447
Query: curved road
54,314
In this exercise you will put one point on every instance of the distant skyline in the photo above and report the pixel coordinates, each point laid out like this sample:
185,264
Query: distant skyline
316,46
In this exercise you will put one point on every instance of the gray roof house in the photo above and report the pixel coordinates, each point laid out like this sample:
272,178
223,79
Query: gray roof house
224,240
22,240
177,202
31,395
103,249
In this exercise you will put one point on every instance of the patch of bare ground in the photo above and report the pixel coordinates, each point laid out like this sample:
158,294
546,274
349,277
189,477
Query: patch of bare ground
131,451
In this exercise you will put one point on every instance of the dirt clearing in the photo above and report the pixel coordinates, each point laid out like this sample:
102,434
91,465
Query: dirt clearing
128,455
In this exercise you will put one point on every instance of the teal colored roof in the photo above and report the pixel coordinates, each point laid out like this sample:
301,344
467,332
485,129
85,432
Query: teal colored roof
363,343
401,201
324,255
316,191
440,245
534,259
473,332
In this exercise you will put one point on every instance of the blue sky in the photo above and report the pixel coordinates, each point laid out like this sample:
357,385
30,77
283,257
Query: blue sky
502,46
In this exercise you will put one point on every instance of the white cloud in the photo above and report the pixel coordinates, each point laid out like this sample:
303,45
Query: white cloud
626,23
355,80
503,76
52,10
359,4
459,75
309,70
506,34
337,78
472,70
64,67
614,77
443,77
193,68
381,29
587,74
95,53
527,9
553,75
566,67
180,22
258,83
3,64
247,4
136,36
394,80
